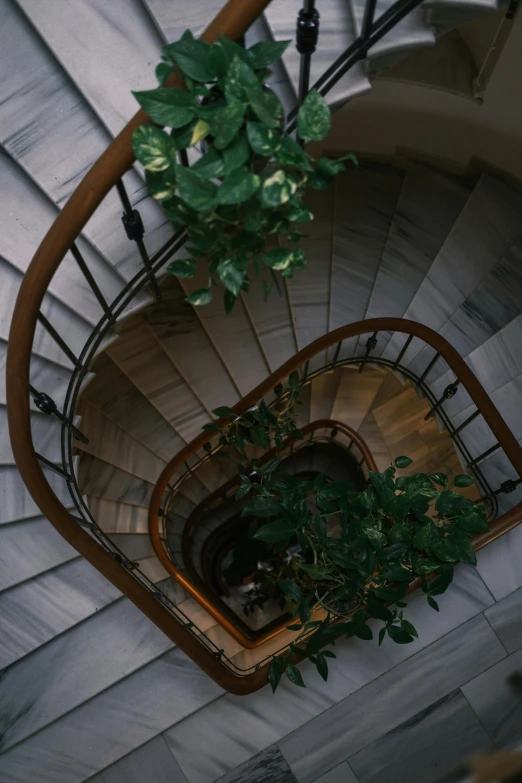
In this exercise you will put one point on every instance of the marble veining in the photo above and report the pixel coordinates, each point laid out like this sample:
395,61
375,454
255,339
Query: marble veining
99,478
342,773
35,611
266,766
505,617
117,517
28,548
428,746
118,720
152,761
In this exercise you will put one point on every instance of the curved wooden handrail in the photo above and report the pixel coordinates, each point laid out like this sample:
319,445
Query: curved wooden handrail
193,585
232,21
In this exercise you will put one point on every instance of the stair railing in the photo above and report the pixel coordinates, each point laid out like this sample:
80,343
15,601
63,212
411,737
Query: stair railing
82,532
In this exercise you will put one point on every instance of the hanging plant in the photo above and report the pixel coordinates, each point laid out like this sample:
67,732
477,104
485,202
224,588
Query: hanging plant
248,184
357,552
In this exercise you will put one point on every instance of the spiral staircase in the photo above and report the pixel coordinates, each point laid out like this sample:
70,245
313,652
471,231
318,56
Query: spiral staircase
90,687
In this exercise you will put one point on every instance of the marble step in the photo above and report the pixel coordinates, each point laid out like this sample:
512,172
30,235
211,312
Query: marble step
143,359
116,517
302,407
113,393
365,203
153,760
29,548
487,228
309,289
182,336
355,395
337,32
409,35
371,434
45,432
35,611
115,446
444,15
136,546
323,392
53,118
429,203
16,503
99,478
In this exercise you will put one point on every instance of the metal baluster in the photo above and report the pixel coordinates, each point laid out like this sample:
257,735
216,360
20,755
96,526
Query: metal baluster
371,343
307,34
334,433
349,446
369,12
466,422
336,354
61,472
92,282
134,228
47,405
305,372
428,369
56,337
183,158
449,392
403,351
485,454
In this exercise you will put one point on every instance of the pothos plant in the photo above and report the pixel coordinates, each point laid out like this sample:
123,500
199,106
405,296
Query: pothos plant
248,185
357,551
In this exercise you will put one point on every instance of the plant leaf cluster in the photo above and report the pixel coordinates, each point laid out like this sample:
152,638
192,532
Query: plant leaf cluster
241,202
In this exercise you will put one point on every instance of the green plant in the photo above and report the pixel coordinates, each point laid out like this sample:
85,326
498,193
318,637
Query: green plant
358,551
249,185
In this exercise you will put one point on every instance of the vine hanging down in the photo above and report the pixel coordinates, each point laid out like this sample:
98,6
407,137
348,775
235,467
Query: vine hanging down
241,201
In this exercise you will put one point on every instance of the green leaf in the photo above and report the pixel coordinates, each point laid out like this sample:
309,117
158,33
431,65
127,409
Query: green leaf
299,214
294,675
382,634
313,118
363,631
420,484
161,184
237,153
243,490
399,636
210,166
238,187
264,53
441,582
275,672
183,267
277,189
315,571
291,589
439,478
262,506
449,502
266,107
194,190
231,50
239,82
201,130
279,530
231,277
167,106
201,296
462,480
153,148
402,462
229,301
211,427
409,628
263,139
271,465
163,71
460,549
322,666
190,55
474,520
225,121
224,412
432,602
292,154
284,258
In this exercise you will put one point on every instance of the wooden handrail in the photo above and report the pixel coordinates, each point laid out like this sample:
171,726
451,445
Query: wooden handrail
232,21
193,585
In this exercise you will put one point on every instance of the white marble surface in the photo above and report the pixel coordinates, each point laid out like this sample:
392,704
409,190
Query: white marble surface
28,548
102,479
35,611
178,329
499,563
323,392
108,50
140,355
15,501
112,392
74,667
113,445
506,620
117,517
409,34
252,723
365,203
266,766
342,773
486,229
355,394
372,712
430,745
152,761
117,721
337,32
137,546
45,433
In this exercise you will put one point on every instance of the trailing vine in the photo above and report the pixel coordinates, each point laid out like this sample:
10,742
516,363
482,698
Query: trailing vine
242,200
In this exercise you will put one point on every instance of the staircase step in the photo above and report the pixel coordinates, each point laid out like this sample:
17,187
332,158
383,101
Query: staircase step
355,395
323,393
336,34
117,517
429,203
372,435
115,446
39,609
99,478
112,392
153,760
45,432
16,503
365,202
